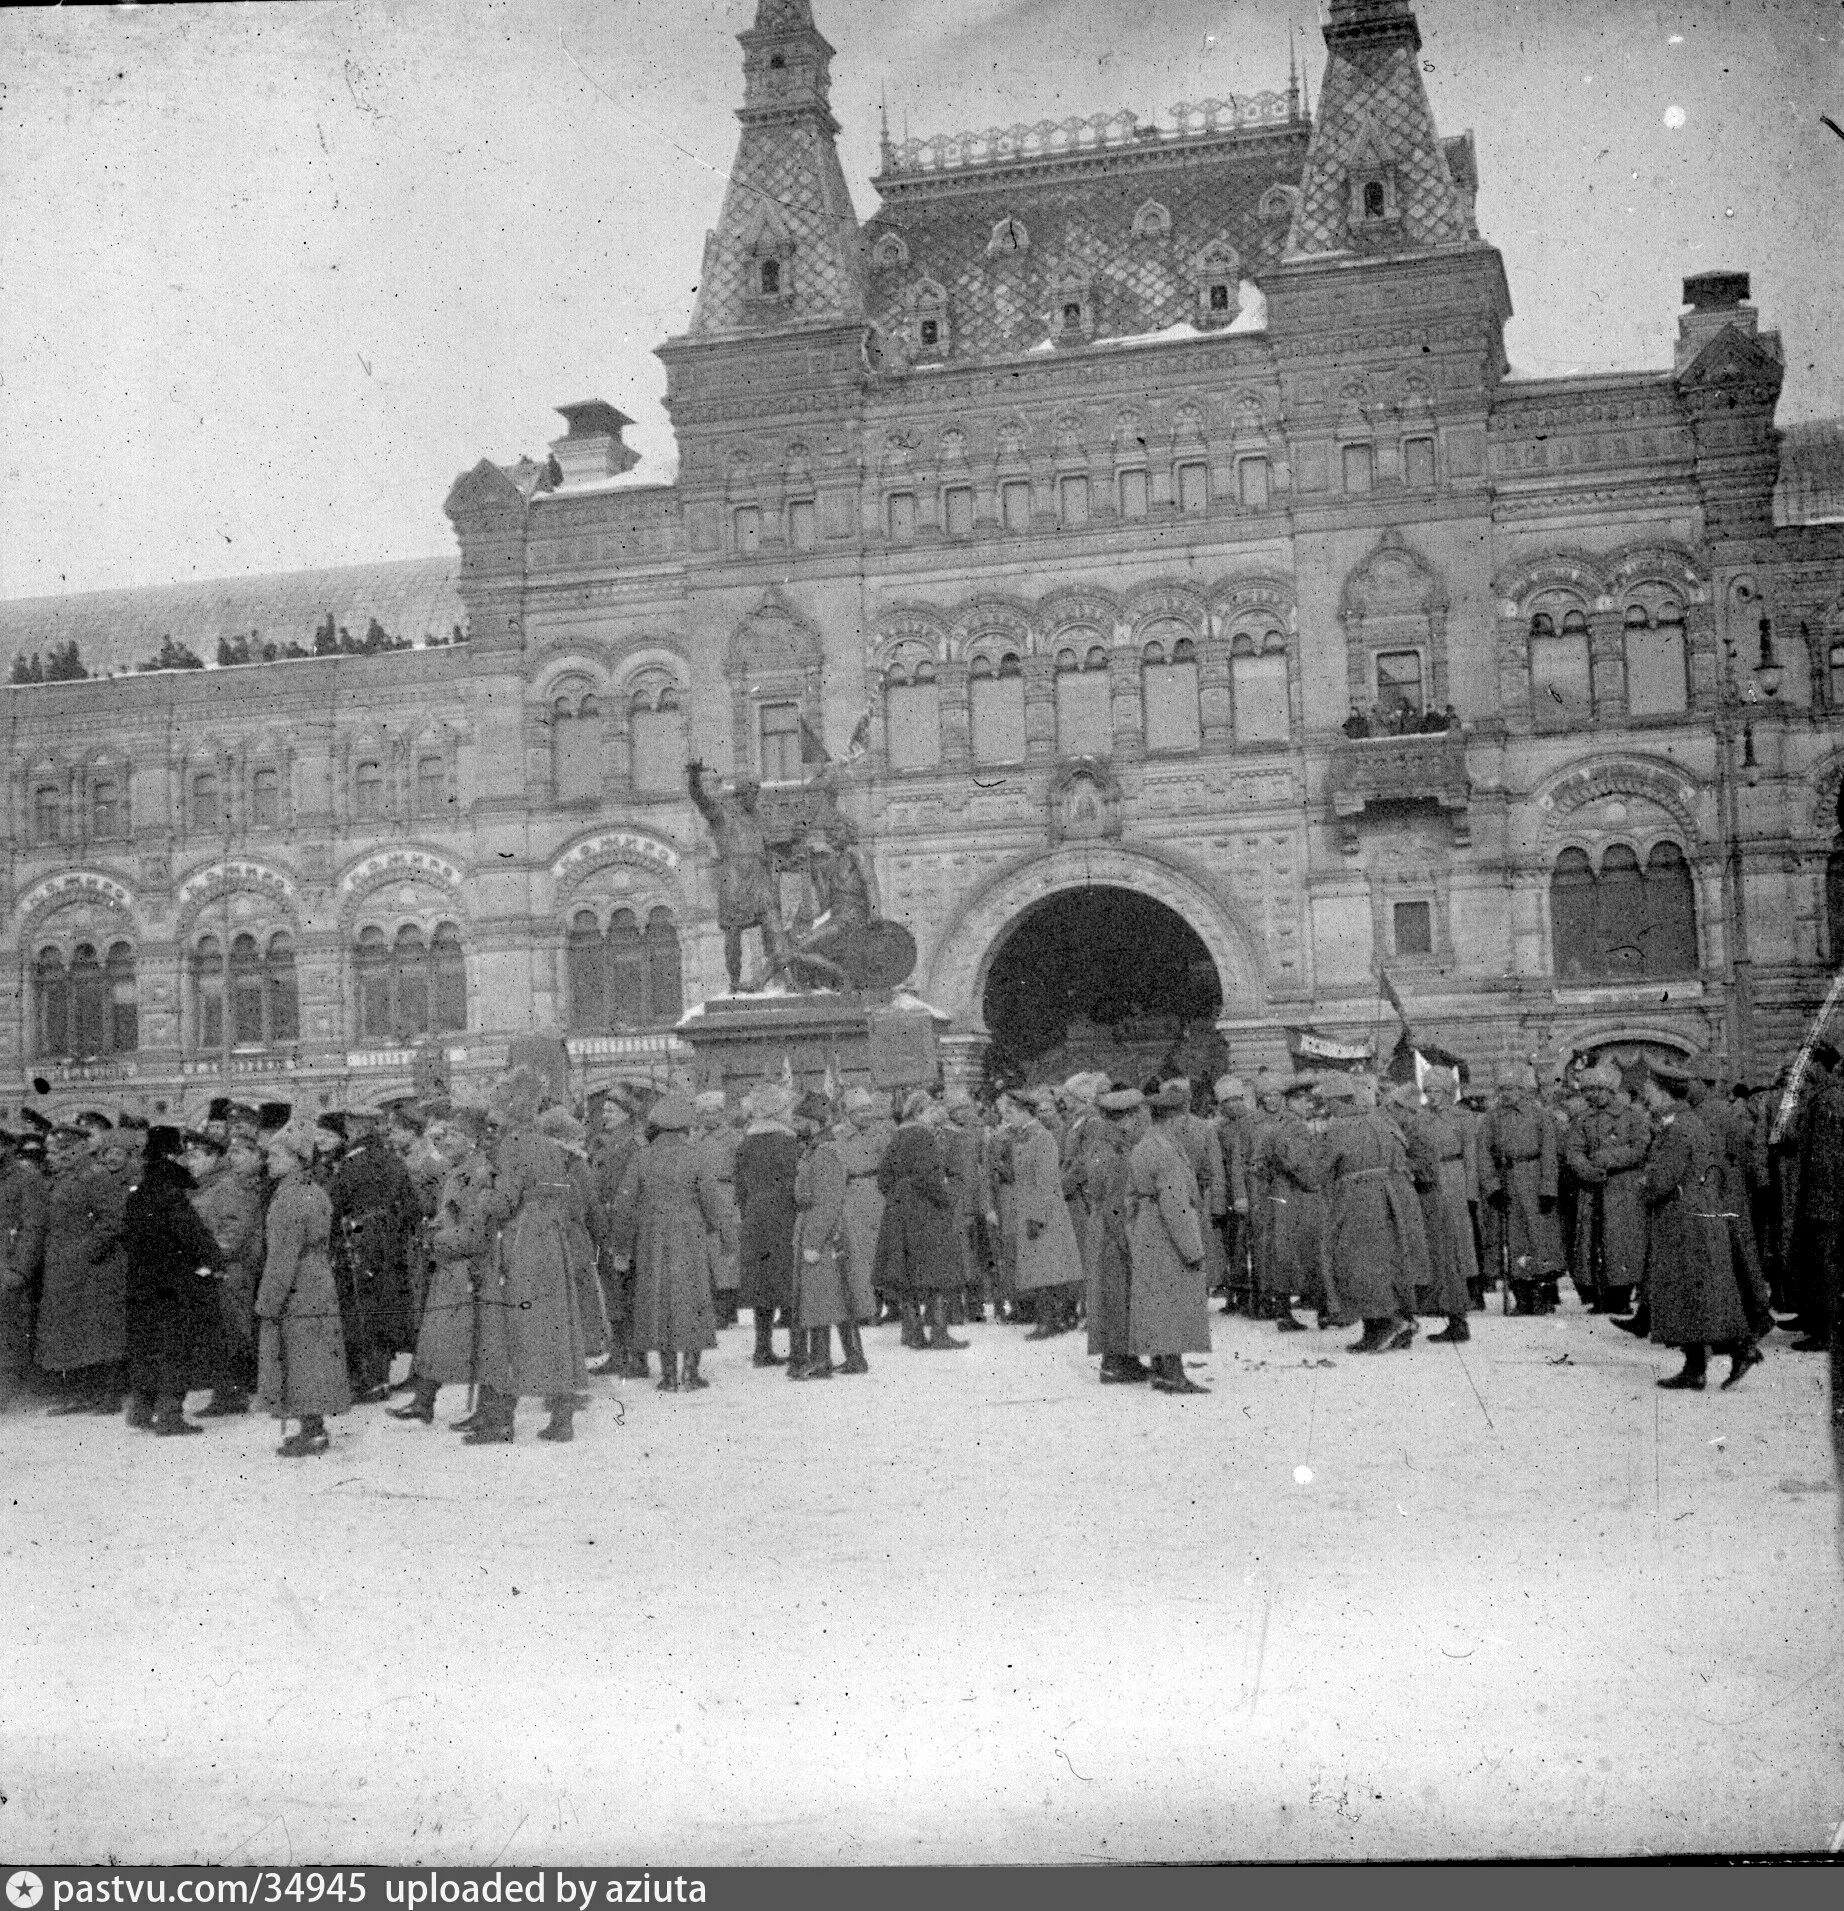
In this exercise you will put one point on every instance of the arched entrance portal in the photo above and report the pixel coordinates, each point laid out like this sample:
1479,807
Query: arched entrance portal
1101,978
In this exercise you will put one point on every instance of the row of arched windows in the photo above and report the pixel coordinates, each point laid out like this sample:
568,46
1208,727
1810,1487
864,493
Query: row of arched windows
1625,921
86,1006
1654,660
624,977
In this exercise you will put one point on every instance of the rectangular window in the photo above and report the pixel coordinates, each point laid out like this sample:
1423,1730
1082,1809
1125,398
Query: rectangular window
748,531
1015,505
1193,487
1414,929
659,751
102,811
1252,483
579,757
998,719
210,1015
1084,713
1418,463
1360,468
1170,691
431,785
801,527
1836,675
1135,497
903,517
912,726
1399,682
1656,685
266,799
1258,686
45,814
1561,688
205,801
1072,498
780,735
957,508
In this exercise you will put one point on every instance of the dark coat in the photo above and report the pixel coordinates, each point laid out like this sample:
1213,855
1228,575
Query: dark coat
174,1334
531,1340
1815,1247
83,1308
823,1294
231,1206
24,1203
1168,1304
1107,1251
1438,1148
918,1251
1517,1175
300,1349
664,1214
375,1208
1606,1151
1690,1267
766,1164
1288,1176
1376,1245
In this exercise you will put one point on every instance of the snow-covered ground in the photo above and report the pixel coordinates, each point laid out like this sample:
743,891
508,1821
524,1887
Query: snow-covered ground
972,1607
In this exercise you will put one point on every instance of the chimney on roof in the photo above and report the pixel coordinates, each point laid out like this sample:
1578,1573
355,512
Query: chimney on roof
592,448
1717,300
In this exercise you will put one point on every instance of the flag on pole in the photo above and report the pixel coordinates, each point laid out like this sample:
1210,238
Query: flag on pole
1390,996
812,750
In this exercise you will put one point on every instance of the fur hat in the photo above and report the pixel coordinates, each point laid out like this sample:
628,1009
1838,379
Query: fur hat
517,1096
857,1100
562,1126
769,1101
164,1143
1230,1088
1337,1087
1120,1101
295,1138
710,1101
1172,1098
915,1102
673,1113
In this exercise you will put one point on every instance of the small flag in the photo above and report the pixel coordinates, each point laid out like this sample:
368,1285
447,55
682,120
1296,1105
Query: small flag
812,750
1390,996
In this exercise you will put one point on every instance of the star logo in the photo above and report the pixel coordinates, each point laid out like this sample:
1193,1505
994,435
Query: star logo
24,1889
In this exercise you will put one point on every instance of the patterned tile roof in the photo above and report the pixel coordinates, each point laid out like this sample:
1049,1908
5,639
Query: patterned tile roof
1078,216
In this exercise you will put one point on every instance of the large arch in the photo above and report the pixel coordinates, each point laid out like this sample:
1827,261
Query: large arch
957,968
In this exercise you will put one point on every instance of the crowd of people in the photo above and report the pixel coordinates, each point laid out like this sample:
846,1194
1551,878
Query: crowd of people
516,1246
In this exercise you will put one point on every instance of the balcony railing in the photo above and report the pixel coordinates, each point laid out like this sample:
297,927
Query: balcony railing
1412,769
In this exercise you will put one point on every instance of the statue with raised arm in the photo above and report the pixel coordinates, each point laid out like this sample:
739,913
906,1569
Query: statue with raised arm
748,890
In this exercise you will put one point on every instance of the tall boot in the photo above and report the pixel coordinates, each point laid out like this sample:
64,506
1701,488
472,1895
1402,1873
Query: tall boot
170,1417
422,1406
800,1352
496,1416
669,1362
765,1355
1049,1312
1169,1375
939,1339
694,1381
851,1345
1456,1329
912,1322
819,1354
310,1440
561,1427
1377,1335
1475,1295
1640,1323
1696,1367
1743,1354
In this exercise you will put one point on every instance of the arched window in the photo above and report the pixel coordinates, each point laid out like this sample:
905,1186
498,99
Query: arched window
89,1004
628,978
431,784
576,747
1258,686
996,694
583,971
1084,704
372,979
408,986
105,809
1834,676
656,729
281,993
447,981
204,811
246,993
1656,680
1561,679
1168,689
51,1005
1624,922
266,799
627,971
124,1004
368,791
912,716
665,988
208,995
45,813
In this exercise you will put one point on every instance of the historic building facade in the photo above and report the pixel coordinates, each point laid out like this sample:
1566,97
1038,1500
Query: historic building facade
1073,501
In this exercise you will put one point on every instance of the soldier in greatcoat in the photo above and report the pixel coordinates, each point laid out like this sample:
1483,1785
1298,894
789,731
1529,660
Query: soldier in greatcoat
823,1297
717,1140
662,1218
374,1208
963,1160
1108,1250
1605,1150
302,1370
1198,1138
587,1224
1291,1172
620,1136
1818,1210
1691,1291
83,1304
861,1139
1517,1171
531,1337
767,1159
172,1310
230,1203
1376,1245
1168,1304
1705,1094
1049,1258
917,1259
1234,1128
460,1238
1425,1134
23,1204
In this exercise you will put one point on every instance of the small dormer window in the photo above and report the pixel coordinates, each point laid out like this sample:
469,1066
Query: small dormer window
1219,296
1072,315
931,331
1376,201
1373,197
771,278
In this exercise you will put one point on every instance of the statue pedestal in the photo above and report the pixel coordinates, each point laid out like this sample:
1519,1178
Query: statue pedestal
740,1040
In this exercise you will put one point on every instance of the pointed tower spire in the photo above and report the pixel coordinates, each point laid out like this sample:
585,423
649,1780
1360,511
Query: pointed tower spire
1376,176
785,249
1293,78
885,151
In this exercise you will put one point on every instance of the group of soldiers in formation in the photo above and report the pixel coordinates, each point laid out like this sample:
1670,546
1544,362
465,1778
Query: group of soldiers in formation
515,1247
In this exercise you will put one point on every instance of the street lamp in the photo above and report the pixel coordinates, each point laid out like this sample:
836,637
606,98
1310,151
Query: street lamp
1767,677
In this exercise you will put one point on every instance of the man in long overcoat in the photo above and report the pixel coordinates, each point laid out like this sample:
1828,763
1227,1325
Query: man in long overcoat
1234,1127
1438,1149
1691,1290
767,1160
301,1363
173,1325
861,1139
1517,1171
23,1204
1049,1259
619,1137
1197,1136
1168,1305
83,1306
963,1160
230,1203
460,1238
1818,1210
1108,1250
717,1140
1605,1150
917,1258
662,1217
1376,1245
374,1209
1288,1168
823,1297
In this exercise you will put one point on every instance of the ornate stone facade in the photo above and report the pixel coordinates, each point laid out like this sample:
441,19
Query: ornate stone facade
1071,503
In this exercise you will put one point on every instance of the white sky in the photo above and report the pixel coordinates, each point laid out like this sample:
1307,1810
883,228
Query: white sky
270,276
